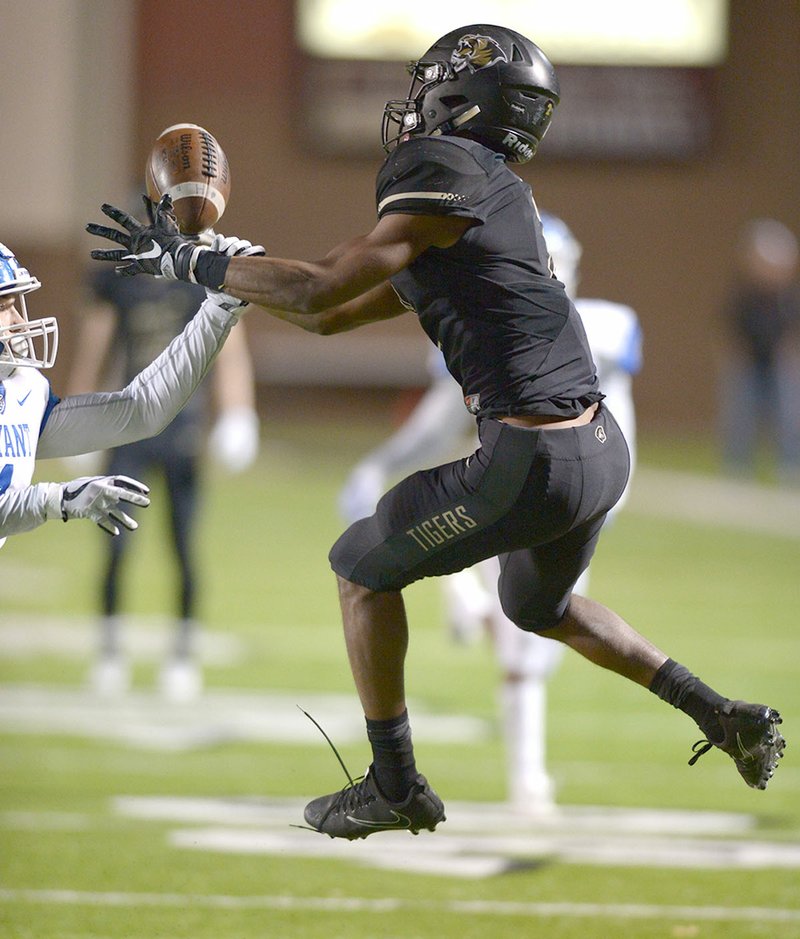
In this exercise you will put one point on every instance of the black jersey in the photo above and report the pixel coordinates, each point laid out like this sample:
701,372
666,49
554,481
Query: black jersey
508,332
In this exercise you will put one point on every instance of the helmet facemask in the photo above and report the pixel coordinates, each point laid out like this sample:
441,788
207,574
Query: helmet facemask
405,115
30,343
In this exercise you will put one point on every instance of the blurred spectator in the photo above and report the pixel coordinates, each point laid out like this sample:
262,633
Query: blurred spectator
761,382
126,323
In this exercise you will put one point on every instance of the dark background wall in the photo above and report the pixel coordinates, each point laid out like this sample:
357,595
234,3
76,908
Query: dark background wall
657,235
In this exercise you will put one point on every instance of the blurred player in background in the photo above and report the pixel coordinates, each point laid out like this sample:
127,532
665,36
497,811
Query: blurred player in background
459,242
126,323
35,423
433,432
761,388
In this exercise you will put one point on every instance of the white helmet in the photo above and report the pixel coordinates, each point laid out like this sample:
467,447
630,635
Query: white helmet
33,343
565,250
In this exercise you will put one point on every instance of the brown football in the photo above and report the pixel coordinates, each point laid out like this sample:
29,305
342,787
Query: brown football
187,162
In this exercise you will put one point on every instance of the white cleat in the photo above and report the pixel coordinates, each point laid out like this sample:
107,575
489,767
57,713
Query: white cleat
180,680
534,798
110,677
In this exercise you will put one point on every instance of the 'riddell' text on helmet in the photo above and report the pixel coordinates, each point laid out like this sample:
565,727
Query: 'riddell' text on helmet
485,82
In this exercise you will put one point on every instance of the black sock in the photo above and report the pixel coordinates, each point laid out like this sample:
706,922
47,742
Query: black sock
679,687
392,756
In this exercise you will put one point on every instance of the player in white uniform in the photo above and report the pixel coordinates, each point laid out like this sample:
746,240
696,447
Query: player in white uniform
34,422
438,424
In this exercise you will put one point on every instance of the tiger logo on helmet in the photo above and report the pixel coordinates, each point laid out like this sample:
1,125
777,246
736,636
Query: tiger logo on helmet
475,52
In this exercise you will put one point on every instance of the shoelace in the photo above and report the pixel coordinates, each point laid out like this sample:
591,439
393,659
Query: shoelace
703,746
352,795
699,748
352,782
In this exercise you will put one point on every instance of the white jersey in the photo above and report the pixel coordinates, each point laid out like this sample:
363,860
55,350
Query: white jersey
24,399
34,423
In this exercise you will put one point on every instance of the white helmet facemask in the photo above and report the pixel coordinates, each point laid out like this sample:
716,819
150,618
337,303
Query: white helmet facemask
31,343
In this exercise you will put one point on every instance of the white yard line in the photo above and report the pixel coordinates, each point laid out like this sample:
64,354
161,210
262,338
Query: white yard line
145,638
479,840
627,911
143,720
476,856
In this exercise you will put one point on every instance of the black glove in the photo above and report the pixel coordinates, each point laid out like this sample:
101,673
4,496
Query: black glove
158,248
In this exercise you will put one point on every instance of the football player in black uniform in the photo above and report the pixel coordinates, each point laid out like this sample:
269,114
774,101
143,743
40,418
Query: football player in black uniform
459,242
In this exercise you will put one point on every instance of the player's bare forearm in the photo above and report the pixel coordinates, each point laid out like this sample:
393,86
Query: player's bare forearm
347,274
379,304
309,288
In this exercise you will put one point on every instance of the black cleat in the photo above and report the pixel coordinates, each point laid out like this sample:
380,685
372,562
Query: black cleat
361,809
750,738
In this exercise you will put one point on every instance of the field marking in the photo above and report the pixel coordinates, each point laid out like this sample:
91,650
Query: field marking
144,638
478,857
143,719
715,500
465,817
541,910
44,821
479,840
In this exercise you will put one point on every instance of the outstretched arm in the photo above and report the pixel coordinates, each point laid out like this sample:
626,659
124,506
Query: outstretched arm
381,303
351,270
87,422
350,284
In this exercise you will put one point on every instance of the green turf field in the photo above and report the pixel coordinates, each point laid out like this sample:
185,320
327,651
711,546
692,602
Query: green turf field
140,819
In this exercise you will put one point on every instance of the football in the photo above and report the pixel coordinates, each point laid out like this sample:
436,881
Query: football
187,162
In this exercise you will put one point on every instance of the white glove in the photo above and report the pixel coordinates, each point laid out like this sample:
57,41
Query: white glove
233,247
234,438
98,498
360,494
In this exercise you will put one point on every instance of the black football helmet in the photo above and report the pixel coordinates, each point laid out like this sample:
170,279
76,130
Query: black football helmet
485,82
